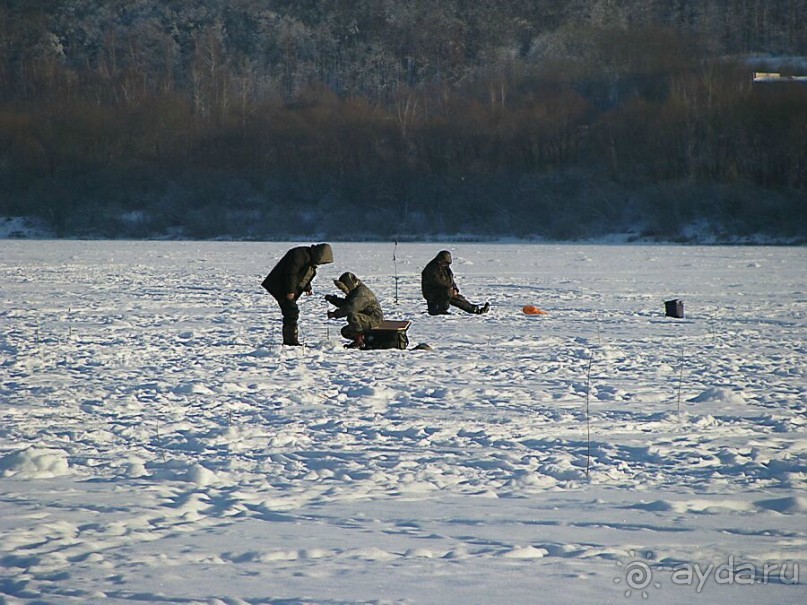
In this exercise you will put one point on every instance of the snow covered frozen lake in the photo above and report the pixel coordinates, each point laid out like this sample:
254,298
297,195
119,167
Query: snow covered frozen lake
158,445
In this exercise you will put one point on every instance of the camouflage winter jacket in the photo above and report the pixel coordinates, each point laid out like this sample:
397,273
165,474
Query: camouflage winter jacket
359,299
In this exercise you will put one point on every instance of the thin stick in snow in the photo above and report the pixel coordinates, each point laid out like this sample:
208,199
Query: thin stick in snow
162,451
36,334
680,377
588,415
395,263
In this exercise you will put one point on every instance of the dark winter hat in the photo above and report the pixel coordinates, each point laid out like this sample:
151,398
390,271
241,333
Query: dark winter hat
444,256
347,282
321,254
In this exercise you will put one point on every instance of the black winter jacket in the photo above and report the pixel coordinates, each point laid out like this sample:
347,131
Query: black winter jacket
295,271
437,280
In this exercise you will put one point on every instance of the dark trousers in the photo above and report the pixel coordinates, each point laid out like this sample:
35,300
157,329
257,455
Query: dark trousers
358,323
290,311
440,307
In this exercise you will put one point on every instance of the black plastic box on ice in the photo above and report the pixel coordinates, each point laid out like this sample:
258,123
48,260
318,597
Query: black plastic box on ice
674,308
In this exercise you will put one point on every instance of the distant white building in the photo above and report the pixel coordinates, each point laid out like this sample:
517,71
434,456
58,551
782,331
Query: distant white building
770,76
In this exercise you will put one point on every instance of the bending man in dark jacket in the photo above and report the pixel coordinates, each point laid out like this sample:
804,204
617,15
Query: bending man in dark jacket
292,276
359,306
440,290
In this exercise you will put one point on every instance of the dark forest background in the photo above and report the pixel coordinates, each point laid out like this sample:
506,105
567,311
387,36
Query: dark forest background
367,119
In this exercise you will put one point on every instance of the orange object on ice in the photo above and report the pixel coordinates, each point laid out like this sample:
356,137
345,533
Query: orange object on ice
533,310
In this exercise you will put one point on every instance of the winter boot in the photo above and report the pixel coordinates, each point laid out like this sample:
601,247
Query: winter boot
358,342
483,309
291,335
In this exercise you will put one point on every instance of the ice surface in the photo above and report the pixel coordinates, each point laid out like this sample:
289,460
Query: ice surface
157,444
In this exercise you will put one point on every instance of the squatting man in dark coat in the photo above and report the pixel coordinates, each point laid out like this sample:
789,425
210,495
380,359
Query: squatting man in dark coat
292,276
441,291
359,305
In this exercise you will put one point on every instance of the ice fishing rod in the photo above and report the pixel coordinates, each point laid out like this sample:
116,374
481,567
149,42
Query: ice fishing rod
395,262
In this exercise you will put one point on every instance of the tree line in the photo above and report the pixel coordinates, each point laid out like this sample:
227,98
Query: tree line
381,118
